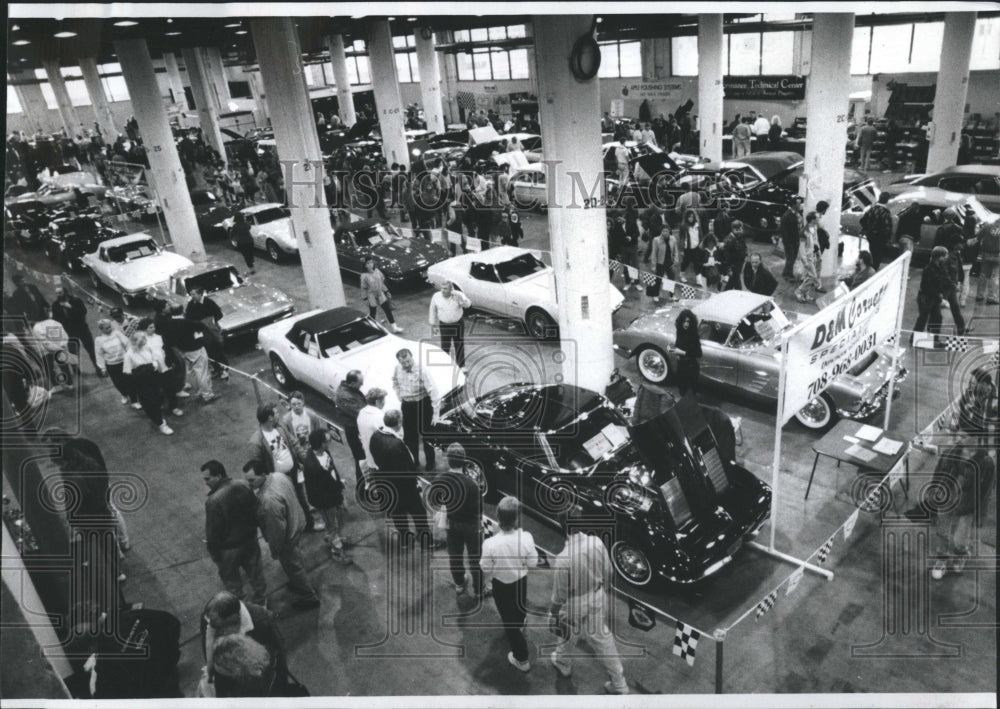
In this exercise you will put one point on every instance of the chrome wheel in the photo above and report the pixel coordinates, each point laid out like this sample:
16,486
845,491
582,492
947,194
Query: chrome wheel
540,325
817,414
281,373
273,252
632,563
652,364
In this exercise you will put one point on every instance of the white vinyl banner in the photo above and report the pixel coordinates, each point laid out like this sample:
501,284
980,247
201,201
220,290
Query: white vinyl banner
836,338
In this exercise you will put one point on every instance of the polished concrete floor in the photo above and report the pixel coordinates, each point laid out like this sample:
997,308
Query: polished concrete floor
391,627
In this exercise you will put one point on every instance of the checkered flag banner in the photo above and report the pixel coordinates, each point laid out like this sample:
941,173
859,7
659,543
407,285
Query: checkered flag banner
615,266
686,642
767,604
687,291
824,551
466,99
954,343
633,273
648,278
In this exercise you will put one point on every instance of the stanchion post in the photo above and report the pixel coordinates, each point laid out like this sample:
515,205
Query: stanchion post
899,337
720,640
256,386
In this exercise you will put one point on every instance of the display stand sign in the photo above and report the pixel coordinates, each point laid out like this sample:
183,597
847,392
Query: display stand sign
768,88
831,342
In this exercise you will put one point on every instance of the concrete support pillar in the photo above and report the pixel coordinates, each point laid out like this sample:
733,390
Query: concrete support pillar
710,87
261,114
952,89
158,139
338,60
447,63
385,82
572,136
280,58
102,111
71,124
430,81
208,115
174,79
29,93
828,91
216,73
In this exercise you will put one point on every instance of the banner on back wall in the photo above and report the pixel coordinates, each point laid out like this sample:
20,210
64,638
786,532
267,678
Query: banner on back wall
659,90
785,87
843,336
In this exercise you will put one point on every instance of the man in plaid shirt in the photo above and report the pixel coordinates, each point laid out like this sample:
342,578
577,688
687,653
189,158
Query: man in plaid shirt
418,398
876,224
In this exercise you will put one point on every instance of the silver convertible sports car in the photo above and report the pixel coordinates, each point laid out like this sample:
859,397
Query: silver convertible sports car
738,333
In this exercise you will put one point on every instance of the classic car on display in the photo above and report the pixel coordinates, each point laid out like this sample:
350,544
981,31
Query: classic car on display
738,332
398,253
70,238
210,213
270,228
790,165
510,282
320,347
677,510
134,200
61,189
983,181
131,265
917,215
246,306
25,221
527,188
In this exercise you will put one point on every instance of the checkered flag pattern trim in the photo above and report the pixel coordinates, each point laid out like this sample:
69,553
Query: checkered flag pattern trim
824,551
767,604
686,642
466,99
953,343
647,278
615,266
687,291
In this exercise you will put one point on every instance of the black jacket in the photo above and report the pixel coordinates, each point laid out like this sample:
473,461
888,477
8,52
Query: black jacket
230,517
71,313
390,453
325,488
207,308
936,280
459,494
191,335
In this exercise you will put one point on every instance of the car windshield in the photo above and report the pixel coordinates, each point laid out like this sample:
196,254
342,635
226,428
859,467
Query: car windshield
212,281
78,226
982,213
519,267
376,234
134,250
760,325
270,215
350,336
587,440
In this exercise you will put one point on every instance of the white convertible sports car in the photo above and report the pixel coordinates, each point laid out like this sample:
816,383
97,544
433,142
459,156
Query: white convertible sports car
320,347
510,282
130,265
270,228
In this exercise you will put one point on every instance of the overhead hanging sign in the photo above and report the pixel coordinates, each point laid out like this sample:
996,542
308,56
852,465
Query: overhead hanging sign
786,87
839,336
664,90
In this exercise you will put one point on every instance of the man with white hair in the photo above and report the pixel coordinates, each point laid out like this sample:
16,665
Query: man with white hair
446,312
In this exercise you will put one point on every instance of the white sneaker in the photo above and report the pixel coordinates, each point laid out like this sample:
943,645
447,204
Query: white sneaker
177,412
937,573
124,400
183,394
396,328
166,430
137,406
559,669
523,666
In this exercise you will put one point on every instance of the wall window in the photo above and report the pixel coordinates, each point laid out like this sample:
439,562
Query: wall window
403,68
860,47
620,59
925,46
519,63
744,54
986,44
684,56
481,65
777,52
463,62
13,104
489,64
113,82
890,49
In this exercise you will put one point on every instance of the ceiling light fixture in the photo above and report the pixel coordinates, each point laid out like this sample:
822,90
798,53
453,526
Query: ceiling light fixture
65,34
15,28
233,24
126,23
22,42
172,34
241,31
169,20
411,19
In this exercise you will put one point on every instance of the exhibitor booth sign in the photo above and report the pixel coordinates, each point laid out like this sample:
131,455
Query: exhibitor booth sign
765,87
842,334
662,90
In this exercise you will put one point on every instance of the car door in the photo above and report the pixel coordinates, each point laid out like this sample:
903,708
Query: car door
484,289
255,233
348,253
755,362
521,185
306,361
719,361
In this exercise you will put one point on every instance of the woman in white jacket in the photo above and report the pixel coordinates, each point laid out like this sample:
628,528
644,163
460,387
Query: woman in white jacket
109,349
808,253
145,365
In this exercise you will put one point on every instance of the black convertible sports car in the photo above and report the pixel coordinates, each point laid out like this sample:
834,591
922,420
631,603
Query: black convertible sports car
666,502
70,237
400,256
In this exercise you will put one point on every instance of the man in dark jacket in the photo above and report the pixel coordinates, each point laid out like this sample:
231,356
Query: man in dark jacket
243,240
208,313
876,225
191,339
935,284
71,313
950,236
756,278
791,232
734,254
231,531
459,495
398,470
349,401
27,300
226,615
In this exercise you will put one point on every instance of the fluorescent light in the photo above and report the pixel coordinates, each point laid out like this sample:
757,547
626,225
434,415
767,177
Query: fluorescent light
64,34
411,19
126,23
22,42
234,24
172,34
15,28
169,20
241,32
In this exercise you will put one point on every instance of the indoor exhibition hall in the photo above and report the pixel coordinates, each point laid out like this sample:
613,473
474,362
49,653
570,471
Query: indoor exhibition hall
390,354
